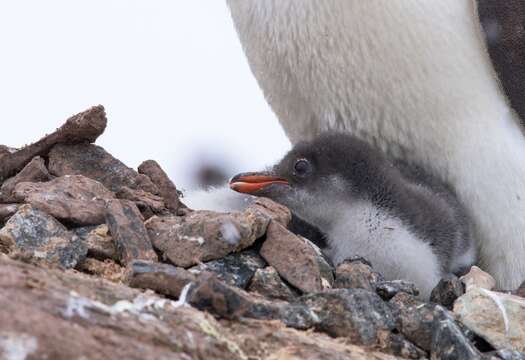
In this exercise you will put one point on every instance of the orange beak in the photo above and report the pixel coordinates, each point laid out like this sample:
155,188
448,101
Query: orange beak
250,183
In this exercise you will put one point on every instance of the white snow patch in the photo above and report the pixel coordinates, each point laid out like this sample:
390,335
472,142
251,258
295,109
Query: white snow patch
17,346
183,298
141,306
230,233
198,239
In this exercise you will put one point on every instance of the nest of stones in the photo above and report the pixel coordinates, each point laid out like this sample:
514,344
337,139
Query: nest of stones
68,208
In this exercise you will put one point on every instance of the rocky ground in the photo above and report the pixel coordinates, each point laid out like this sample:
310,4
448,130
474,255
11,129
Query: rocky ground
98,261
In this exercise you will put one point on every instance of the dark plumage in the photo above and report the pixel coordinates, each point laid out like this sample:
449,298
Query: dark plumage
362,202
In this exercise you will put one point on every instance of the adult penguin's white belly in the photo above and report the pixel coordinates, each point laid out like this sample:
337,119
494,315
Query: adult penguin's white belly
412,77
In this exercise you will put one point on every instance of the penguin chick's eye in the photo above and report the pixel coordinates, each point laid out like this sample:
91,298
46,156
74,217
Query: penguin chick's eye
302,167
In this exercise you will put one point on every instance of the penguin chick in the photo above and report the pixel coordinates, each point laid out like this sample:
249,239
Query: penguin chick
409,225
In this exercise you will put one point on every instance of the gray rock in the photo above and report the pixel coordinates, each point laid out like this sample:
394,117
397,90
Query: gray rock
357,314
213,295
504,355
235,269
419,321
388,289
94,162
449,343
447,291
269,284
99,243
43,238
396,344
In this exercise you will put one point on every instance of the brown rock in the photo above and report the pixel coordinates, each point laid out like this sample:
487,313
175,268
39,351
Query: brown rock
107,269
235,269
147,203
86,126
356,275
7,210
42,237
98,241
162,278
35,171
293,258
275,211
75,199
129,234
103,320
95,163
447,291
205,235
268,283
166,187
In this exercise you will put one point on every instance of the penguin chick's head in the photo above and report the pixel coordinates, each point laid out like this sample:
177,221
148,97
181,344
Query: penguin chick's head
318,176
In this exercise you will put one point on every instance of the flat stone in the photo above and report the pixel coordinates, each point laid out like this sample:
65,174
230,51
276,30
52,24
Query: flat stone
235,269
447,291
497,317
388,289
34,171
40,235
75,199
95,163
268,283
352,274
162,278
477,278
205,235
293,258
359,315
99,243
128,232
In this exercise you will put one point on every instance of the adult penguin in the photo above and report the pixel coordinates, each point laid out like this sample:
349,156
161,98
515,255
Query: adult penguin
415,78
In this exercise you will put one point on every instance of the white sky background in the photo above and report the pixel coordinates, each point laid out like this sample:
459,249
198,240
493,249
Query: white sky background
171,74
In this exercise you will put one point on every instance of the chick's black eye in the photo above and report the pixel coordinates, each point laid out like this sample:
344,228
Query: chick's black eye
302,167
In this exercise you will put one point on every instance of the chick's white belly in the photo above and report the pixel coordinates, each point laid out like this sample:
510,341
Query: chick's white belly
389,245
